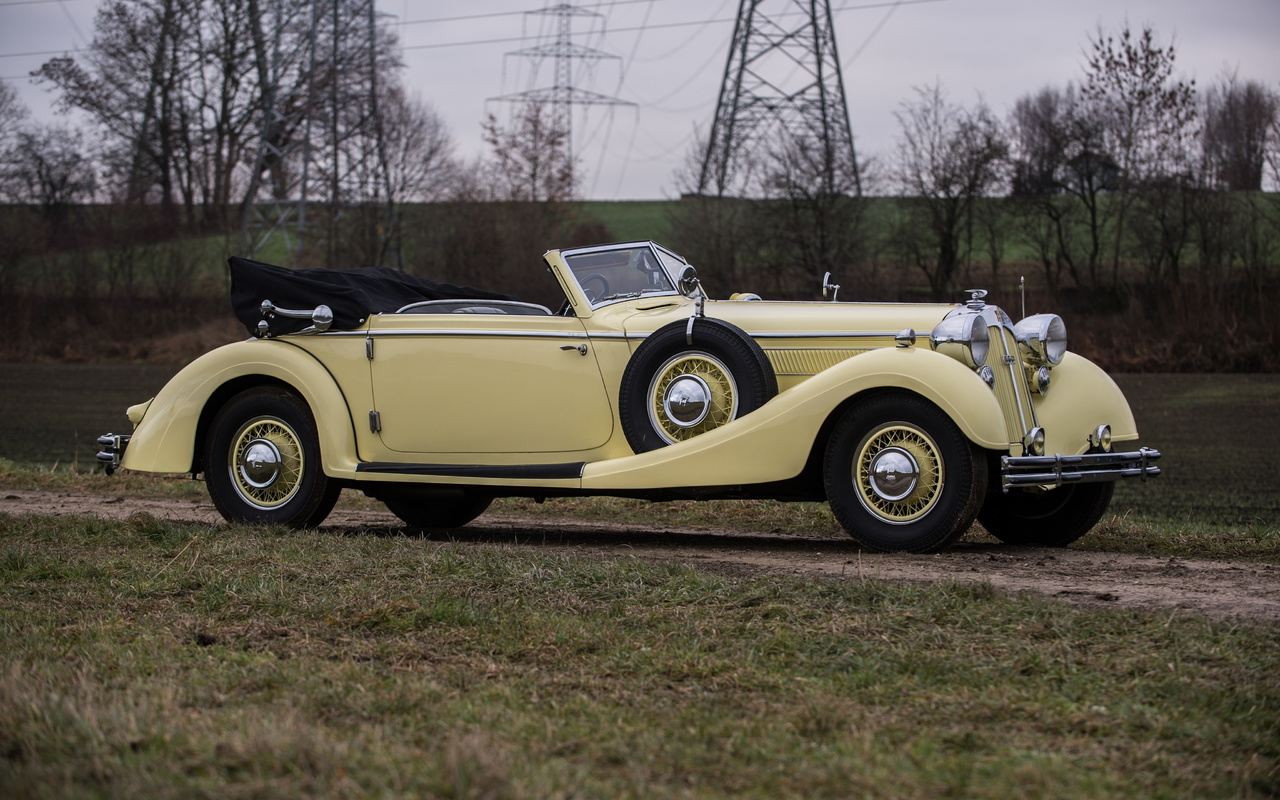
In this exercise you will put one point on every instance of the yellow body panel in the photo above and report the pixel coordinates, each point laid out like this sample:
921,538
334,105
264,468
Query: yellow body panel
1082,397
774,442
469,383
165,439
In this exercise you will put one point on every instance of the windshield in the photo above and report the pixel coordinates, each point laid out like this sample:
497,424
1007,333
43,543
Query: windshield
617,274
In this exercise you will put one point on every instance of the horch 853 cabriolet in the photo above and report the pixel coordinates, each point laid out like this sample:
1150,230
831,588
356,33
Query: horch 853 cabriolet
911,420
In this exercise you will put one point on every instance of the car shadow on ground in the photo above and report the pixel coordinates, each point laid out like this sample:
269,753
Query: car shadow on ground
554,535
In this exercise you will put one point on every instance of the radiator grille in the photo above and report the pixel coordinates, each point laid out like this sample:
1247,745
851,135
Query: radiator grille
1011,387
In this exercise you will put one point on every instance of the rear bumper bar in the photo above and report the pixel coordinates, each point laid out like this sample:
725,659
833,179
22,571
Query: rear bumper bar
113,446
1059,470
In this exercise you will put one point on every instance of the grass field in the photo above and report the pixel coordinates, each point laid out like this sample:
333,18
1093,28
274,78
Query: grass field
145,658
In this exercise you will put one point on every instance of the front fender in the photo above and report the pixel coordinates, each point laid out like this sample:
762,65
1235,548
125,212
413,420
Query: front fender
166,438
774,442
1081,397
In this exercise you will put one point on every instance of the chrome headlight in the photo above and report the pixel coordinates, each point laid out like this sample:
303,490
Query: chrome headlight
963,337
1042,338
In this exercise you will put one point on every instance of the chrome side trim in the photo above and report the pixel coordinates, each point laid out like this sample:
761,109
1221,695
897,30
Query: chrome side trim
827,335
1059,470
457,332
642,336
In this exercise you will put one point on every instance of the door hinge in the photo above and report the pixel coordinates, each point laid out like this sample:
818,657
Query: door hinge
375,422
368,347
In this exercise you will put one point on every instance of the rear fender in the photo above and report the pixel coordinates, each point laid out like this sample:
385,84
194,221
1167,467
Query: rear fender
169,436
774,442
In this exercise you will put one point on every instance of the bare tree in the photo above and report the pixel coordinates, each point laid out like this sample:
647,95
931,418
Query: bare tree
529,157
1149,115
1062,177
713,231
948,157
12,113
132,88
49,167
420,149
1240,120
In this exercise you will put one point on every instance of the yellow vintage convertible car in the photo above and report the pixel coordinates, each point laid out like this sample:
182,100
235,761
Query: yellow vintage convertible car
909,419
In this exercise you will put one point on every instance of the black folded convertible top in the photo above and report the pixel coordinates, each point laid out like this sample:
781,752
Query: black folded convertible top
352,294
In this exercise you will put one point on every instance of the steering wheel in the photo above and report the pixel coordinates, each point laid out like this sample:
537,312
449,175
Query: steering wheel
592,294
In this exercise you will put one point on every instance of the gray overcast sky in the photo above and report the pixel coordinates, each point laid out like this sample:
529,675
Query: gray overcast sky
999,49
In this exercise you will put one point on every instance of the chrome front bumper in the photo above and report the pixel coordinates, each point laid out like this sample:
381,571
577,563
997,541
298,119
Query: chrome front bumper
113,446
1059,470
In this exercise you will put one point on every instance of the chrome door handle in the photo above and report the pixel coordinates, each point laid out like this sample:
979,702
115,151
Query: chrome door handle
581,348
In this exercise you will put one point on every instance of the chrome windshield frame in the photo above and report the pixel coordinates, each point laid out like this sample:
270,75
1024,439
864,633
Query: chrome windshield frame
661,257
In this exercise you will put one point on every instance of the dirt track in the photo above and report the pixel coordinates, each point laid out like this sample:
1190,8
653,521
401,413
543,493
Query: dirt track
1219,589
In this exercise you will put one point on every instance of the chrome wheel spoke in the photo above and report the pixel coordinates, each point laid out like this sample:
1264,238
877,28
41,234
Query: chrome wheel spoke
898,473
266,462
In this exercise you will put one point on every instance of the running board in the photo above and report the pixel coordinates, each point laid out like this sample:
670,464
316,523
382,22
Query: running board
498,471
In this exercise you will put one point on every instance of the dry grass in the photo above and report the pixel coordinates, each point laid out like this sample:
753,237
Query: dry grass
147,658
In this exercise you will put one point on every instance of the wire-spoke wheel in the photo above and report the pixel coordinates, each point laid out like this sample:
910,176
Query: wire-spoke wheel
265,463
692,393
901,476
262,461
899,473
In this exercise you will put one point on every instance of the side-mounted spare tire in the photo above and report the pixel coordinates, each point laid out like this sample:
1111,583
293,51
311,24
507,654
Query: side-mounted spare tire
683,381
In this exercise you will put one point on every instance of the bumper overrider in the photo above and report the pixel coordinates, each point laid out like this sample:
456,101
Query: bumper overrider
1060,470
113,446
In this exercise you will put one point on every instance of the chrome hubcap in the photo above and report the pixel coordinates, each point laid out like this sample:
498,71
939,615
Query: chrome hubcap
260,464
894,474
687,400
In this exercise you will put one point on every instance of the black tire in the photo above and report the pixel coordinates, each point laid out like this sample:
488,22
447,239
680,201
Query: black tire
262,461
718,360
902,435
431,511
1053,518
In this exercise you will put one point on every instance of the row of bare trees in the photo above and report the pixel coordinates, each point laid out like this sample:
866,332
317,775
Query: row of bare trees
218,116
1130,168
206,110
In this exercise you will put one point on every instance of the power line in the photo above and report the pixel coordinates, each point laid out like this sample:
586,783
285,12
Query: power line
665,26
30,2
43,53
493,14
510,39
506,40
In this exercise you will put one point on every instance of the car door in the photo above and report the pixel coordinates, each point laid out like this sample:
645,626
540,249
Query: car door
486,383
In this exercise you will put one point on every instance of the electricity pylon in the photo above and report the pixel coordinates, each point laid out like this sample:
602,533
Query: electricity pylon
325,90
562,95
782,87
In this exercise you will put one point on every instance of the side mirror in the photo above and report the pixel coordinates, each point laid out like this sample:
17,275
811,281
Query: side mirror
688,283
